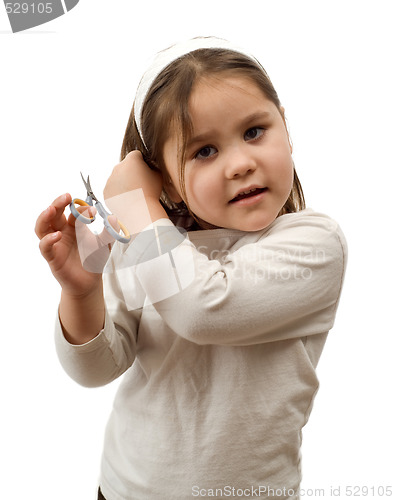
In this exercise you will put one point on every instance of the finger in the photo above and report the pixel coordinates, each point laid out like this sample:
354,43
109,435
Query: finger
134,155
52,219
43,223
59,219
135,159
105,237
114,222
47,245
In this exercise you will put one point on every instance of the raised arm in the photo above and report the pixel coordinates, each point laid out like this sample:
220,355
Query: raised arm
280,284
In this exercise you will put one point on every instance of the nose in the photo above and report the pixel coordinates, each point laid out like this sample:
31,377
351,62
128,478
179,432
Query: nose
239,162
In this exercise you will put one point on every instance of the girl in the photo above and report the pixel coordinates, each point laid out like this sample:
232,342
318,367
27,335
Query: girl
220,355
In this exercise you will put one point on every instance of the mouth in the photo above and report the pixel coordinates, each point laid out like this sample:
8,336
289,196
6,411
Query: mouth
249,194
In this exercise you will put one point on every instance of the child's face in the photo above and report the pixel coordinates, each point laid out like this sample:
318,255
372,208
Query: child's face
239,143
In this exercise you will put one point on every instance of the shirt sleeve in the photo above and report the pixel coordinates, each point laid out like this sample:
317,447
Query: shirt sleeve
113,350
285,285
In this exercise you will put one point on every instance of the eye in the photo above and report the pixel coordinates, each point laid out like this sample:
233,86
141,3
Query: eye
205,152
253,133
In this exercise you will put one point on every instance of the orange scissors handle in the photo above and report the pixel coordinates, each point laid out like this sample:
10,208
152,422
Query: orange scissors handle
79,216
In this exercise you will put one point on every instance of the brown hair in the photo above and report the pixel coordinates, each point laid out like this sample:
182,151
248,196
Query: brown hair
166,108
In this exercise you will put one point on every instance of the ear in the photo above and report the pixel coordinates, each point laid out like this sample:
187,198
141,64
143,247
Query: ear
171,190
282,112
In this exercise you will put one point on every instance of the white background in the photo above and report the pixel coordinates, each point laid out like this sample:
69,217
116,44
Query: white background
66,90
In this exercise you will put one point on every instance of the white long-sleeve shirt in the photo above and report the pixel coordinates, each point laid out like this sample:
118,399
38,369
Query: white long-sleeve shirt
218,363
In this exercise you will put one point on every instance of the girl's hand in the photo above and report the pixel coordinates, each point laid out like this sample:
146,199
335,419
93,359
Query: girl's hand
58,245
127,177
133,173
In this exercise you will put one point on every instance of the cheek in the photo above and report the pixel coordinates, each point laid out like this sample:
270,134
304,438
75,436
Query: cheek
284,172
200,188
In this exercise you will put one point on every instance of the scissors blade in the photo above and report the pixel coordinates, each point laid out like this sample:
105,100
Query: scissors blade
87,183
88,187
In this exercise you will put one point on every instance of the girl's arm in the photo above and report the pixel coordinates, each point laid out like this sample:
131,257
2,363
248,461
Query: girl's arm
282,283
92,356
93,348
112,351
82,304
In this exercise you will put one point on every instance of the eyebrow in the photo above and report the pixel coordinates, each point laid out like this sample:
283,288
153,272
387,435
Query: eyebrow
254,117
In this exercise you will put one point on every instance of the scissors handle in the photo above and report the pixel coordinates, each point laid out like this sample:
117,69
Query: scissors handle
79,216
125,238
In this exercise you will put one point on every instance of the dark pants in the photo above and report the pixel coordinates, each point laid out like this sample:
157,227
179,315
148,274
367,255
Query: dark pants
100,496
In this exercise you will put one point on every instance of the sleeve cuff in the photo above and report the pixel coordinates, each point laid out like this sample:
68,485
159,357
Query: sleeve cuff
102,337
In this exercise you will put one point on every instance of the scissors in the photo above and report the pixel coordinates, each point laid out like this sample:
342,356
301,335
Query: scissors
90,198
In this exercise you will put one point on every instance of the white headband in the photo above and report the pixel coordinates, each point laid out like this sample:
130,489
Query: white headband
166,57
